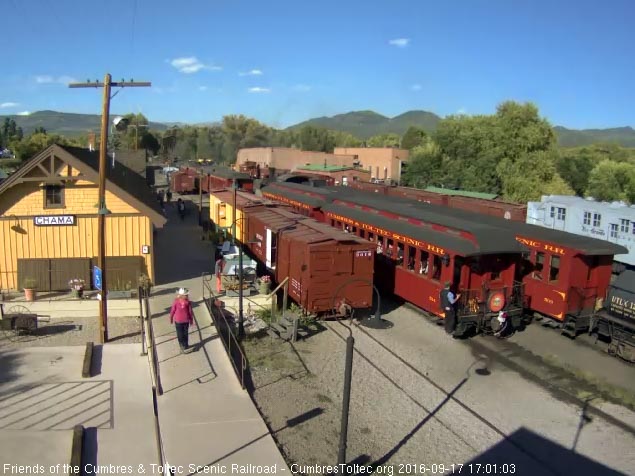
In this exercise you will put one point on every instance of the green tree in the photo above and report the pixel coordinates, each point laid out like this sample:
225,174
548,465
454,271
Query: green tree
413,137
384,140
610,181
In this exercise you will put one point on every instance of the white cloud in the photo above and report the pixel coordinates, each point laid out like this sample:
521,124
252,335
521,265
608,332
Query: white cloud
24,113
252,72
302,87
191,64
399,42
416,87
47,79
462,111
258,89
202,88
9,104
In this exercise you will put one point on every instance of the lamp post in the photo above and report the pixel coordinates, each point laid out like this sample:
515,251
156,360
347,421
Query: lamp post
348,366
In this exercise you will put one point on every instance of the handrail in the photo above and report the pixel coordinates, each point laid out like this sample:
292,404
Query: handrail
278,287
151,345
220,322
157,432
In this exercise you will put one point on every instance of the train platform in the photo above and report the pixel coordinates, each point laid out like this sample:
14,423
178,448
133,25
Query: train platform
208,421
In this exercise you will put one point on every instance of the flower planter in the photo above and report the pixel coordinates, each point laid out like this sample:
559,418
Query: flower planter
29,294
264,288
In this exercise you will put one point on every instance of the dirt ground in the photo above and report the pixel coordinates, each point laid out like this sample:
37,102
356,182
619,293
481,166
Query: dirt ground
420,397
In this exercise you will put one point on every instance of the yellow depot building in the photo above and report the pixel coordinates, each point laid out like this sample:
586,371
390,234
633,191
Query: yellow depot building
49,217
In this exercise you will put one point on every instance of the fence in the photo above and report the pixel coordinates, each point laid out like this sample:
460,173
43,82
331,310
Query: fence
225,329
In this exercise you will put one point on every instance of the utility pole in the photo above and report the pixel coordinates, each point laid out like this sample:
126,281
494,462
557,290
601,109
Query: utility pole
103,211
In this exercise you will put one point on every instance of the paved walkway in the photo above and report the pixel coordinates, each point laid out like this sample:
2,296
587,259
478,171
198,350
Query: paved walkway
206,418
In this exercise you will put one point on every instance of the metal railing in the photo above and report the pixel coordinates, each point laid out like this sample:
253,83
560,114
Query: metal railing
475,301
224,329
144,306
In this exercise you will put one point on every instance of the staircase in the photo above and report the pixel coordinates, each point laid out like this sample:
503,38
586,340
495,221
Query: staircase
573,324
287,328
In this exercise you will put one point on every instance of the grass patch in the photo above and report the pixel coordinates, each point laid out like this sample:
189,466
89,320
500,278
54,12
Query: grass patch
598,386
323,398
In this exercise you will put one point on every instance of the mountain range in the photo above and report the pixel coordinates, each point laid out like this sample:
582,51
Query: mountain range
362,124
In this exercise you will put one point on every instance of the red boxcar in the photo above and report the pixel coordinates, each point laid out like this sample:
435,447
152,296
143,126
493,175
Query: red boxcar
323,265
216,178
184,181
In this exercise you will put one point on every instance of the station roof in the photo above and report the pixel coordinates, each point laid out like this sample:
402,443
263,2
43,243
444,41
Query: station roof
324,168
120,180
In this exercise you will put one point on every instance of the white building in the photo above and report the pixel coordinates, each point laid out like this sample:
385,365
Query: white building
614,222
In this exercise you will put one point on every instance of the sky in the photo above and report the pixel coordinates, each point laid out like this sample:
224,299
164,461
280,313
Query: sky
283,62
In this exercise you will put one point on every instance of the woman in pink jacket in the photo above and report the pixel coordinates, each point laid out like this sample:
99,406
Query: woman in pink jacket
182,315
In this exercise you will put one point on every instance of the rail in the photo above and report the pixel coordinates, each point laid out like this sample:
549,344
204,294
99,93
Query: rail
224,329
144,303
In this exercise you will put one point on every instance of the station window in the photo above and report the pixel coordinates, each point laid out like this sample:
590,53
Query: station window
540,263
553,212
587,219
53,196
613,230
597,219
554,269
624,225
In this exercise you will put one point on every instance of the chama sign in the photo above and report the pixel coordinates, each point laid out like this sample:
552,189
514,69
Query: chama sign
54,220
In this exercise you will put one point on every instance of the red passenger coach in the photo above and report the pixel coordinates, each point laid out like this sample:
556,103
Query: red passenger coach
564,275
307,203
414,262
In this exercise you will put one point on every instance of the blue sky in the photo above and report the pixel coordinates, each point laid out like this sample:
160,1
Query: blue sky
285,61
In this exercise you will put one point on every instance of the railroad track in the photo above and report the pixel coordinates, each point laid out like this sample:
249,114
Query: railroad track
445,408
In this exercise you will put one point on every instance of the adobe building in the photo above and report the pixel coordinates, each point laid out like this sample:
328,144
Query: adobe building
334,174
282,158
383,163
49,222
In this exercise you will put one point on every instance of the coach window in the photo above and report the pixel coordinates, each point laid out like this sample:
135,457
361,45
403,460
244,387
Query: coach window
554,269
411,258
540,262
371,237
333,223
399,254
424,263
362,233
390,248
436,268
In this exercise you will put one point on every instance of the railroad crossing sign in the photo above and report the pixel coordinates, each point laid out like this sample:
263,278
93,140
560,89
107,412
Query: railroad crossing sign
97,277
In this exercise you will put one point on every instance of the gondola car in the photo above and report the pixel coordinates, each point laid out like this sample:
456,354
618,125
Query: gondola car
564,275
324,266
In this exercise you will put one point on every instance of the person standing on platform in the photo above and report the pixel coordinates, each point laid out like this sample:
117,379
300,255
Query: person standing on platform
448,304
182,316
218,271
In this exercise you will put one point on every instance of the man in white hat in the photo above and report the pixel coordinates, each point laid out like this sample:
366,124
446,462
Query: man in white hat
182,315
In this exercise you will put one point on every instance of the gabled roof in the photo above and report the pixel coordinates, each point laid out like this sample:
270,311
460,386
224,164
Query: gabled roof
120,180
